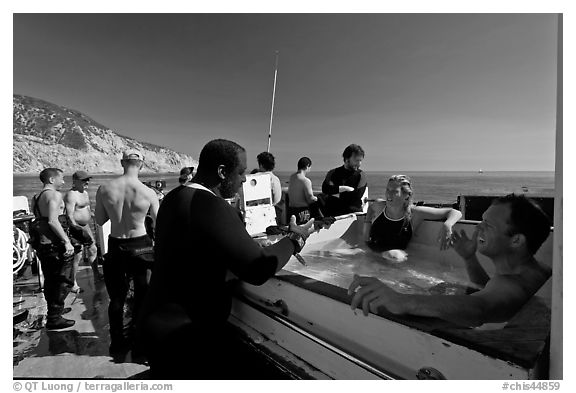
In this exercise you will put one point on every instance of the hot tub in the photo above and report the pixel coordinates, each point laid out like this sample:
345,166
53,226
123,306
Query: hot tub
302,318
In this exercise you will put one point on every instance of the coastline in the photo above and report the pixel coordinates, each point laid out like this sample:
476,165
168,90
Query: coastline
145,173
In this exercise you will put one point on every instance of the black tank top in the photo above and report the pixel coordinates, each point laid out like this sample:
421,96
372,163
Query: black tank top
388,234
47,235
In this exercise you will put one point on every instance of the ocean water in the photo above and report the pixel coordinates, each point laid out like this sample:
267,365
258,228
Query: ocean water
430,187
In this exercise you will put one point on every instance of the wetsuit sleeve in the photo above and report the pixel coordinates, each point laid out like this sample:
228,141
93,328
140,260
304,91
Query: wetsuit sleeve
329,187
363,182
361,188
243,256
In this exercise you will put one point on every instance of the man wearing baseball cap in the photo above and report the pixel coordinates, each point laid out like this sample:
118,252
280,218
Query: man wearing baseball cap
125,201
186,175
79,215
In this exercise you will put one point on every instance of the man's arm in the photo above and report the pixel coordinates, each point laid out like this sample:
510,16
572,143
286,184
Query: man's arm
54,203
328,185
70,203
476,272
308,193
222,228
154,205
100,213
276,190
466,248
497,302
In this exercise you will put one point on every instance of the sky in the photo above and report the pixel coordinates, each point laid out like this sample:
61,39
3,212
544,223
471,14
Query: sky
446,92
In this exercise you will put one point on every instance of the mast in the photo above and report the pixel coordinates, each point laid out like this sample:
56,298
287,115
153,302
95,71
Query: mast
273,96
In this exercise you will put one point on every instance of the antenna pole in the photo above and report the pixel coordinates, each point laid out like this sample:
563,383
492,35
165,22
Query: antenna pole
273,96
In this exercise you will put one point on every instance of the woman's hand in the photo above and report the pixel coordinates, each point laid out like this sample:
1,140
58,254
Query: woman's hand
445,236
464,246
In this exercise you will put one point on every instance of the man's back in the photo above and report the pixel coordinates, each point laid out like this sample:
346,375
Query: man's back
43,199
126,202
298,189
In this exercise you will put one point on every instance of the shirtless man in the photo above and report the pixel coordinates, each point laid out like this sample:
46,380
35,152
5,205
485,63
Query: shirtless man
511,232
300,194
126,201
54,248
79,215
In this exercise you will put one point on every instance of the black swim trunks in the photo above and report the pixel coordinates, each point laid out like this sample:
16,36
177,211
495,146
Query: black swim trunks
81,236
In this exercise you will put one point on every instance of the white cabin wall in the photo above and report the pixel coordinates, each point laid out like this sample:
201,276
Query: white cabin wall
557,334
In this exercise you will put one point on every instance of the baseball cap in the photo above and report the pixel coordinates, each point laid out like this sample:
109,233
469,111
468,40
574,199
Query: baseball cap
132,154
187,170
184,172
81,175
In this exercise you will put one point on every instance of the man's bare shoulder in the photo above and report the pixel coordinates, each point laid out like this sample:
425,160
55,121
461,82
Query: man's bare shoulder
298,178
110,185
514,286
72,195
51,195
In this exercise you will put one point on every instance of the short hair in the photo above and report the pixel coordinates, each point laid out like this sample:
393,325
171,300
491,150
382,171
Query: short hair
304,163
219,152
526,218
266,160
47,173
353,150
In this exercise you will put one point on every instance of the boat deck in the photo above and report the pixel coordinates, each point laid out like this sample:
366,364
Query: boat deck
80,351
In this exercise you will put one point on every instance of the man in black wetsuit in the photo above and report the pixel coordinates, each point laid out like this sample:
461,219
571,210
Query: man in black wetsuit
199,237
344,186
53,247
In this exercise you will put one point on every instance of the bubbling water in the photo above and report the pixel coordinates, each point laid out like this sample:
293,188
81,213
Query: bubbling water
422,272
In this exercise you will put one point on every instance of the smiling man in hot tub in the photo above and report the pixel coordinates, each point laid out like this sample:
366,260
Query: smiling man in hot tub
512,230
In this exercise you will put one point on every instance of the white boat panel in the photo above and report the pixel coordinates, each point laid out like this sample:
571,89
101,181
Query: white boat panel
388,345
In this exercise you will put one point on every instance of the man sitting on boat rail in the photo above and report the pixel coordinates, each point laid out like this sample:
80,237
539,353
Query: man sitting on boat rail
511,232
344,186
126,201
301,200
199,237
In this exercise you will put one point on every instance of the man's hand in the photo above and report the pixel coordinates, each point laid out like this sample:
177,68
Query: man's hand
464,246
373,294
303,230
69,248
345,189
445,236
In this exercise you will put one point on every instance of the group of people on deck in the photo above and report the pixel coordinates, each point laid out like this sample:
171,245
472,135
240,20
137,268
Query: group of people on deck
182,299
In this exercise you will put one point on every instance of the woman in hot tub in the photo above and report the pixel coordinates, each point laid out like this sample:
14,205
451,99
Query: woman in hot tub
391,222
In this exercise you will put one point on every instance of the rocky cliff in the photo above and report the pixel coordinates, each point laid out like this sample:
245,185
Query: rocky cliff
48,135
